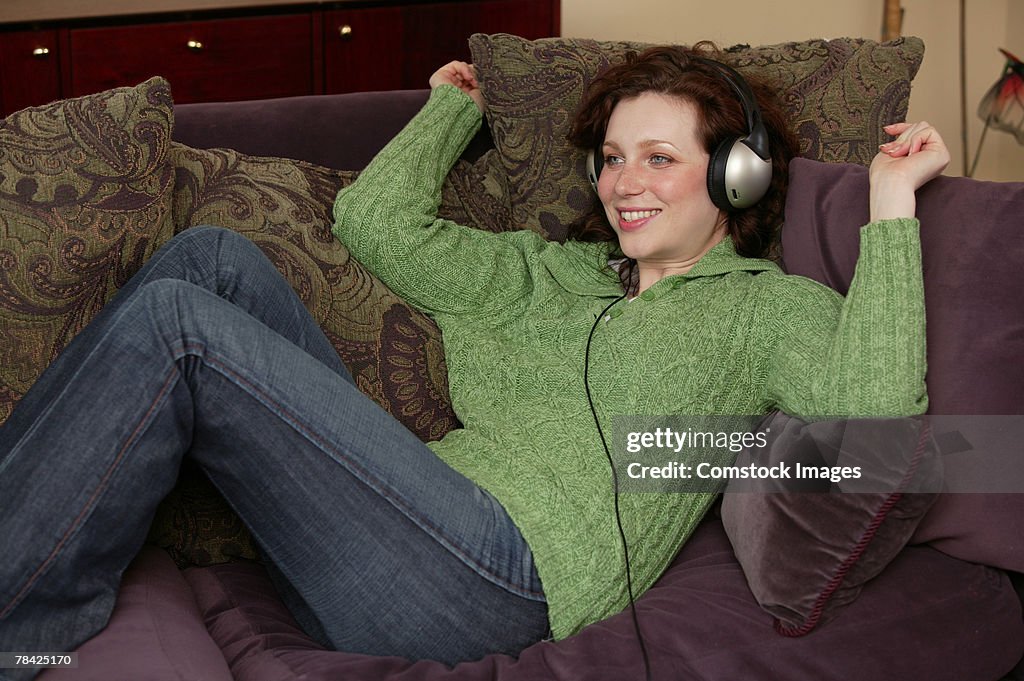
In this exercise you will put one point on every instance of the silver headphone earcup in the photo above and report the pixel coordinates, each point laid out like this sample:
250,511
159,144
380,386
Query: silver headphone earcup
737,177
747,176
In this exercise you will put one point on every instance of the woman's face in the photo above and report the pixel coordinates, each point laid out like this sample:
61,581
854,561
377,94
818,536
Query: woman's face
654,184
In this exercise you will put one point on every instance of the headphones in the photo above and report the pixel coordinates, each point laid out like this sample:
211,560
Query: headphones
740,168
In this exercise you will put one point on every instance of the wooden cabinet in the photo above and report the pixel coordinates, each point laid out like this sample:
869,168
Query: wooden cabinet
257,52
225,59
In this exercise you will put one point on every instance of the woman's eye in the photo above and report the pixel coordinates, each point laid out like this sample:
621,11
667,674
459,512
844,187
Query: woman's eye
612,160
659,159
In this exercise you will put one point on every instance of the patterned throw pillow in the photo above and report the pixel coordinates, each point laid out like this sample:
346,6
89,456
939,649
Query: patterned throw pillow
284,206
85,198
839,94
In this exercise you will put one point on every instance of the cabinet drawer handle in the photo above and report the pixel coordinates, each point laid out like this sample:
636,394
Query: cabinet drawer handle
345,31
194,45
41,52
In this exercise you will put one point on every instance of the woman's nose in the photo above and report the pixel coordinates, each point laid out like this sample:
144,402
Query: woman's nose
629,181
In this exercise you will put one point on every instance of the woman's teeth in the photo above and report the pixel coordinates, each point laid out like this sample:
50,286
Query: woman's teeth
631,215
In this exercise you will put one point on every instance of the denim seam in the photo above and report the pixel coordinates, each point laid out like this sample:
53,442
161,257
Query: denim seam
372,481
86,509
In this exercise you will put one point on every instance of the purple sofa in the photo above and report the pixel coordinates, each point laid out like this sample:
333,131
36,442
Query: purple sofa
929,614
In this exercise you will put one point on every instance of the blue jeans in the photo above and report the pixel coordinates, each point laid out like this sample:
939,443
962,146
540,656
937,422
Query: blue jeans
377,545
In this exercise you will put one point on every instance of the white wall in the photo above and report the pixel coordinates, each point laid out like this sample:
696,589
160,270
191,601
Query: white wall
936,92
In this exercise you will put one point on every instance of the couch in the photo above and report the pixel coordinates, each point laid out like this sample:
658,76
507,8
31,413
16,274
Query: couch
907,585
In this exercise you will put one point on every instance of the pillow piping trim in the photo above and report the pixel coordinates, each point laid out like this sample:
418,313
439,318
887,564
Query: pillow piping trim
859,548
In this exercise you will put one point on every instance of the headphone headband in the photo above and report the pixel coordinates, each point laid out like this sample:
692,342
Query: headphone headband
756,137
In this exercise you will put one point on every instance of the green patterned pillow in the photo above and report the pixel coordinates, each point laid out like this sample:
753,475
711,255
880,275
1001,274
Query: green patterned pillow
284,206
839,94
85,198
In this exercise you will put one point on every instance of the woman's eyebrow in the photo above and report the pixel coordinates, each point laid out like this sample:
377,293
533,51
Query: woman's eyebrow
645,144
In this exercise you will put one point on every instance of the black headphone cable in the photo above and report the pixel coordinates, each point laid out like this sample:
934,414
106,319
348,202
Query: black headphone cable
615,481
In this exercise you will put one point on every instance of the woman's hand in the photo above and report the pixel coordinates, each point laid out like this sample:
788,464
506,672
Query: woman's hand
461,75
917,155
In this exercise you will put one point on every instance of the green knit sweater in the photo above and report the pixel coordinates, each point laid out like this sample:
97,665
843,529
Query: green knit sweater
733,336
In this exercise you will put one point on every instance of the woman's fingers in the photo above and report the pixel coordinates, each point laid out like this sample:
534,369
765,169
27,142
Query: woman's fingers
457,73
911,138
467,72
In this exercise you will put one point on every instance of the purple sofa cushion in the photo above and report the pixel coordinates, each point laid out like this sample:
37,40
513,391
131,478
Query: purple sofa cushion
973,255
972,251
343,131
699,622
337,131
155,633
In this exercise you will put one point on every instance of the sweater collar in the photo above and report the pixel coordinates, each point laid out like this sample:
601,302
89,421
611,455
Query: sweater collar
723,259
582,268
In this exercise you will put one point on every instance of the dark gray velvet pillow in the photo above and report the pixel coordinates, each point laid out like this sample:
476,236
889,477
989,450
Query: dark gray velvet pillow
807,545
972,249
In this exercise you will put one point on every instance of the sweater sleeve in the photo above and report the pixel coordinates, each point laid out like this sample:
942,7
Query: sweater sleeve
863,355
388,219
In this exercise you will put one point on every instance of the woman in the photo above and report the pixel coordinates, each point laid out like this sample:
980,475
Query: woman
505,530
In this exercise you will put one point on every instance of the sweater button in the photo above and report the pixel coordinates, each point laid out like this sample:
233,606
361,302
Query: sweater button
647,295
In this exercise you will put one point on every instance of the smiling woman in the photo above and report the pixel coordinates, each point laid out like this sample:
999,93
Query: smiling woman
713,327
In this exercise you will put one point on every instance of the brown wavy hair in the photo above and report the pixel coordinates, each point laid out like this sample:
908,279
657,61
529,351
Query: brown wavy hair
669,70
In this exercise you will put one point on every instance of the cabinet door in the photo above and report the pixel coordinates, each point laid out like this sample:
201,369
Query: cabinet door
363,49
399,47
29,69
438,33
214,60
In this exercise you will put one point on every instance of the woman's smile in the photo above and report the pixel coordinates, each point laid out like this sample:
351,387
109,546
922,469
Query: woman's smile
633,219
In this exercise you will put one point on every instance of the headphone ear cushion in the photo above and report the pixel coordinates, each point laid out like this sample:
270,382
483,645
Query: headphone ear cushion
594,165
717,163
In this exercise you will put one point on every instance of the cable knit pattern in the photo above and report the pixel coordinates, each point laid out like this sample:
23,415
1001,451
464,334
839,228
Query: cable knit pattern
732,336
